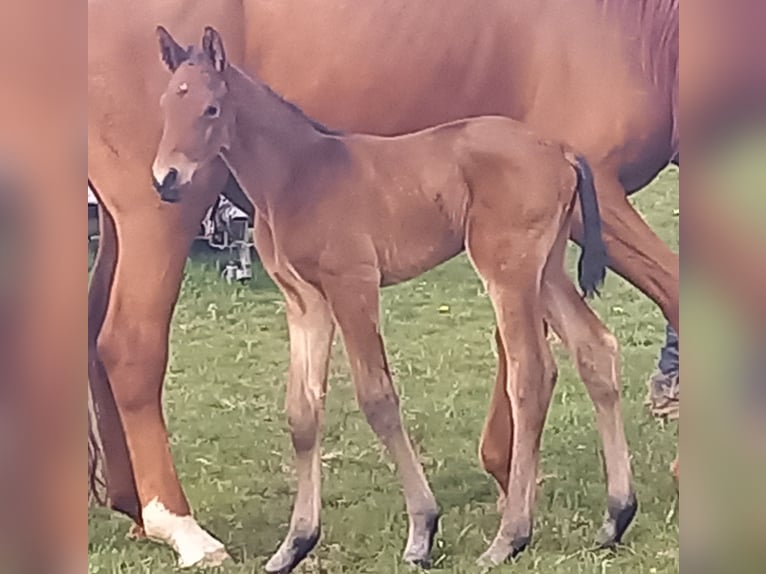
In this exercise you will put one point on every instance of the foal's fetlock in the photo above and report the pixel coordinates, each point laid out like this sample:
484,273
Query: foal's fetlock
423,529
619,515
505,548
293,550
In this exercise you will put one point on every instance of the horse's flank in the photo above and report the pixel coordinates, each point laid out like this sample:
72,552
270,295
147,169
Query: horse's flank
658,24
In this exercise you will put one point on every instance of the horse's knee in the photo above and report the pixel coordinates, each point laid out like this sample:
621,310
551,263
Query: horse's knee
598,360
380,405
303,421
134,357
532,383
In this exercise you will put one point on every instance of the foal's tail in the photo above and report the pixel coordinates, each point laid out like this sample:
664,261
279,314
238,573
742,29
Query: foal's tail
591,268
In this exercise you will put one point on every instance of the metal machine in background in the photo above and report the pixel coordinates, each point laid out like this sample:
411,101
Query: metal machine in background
224,227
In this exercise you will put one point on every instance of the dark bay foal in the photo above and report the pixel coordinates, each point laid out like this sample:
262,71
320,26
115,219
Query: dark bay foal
340,215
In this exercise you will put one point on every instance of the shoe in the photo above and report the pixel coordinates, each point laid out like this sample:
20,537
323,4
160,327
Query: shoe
663,395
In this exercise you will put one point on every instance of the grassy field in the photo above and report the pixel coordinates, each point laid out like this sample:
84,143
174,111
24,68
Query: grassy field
225,389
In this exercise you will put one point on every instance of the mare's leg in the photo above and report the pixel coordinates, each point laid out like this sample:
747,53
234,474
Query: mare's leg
311,330
121,487
497,435
596,353
663,392
635,251
355,304
153,240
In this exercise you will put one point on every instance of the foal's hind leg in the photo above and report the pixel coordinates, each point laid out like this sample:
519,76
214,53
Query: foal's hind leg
311,332
596,353
531,377
497,436
355,303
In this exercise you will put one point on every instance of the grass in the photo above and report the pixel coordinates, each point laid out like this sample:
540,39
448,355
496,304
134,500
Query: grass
224,394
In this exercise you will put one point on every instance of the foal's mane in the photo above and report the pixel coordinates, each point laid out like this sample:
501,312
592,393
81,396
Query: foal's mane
321,128
655,23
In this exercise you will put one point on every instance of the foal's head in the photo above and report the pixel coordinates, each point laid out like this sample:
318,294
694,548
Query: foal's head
197,122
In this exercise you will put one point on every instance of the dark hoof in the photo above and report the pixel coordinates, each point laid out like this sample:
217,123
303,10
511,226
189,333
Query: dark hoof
423,563
520,545
292,552
500,552
418,552
618,518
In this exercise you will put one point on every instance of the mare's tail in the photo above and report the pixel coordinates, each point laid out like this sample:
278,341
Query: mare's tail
591,268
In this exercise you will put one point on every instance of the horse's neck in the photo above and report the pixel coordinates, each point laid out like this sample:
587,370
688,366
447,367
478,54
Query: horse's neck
269,142
263,114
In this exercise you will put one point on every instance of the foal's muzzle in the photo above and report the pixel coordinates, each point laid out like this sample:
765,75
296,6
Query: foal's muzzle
168,187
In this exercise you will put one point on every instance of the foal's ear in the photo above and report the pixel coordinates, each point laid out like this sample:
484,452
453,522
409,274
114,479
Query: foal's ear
172,53
212,46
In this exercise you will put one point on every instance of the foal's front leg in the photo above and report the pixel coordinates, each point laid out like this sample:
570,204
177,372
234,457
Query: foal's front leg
311,330
355,303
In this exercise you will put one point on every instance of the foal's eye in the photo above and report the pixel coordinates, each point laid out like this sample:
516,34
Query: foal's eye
212,111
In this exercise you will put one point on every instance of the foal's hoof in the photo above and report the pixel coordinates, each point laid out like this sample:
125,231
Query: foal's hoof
619,515
418,552
501,551
292,551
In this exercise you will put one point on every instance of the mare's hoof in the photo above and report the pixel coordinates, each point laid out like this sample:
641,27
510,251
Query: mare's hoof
418,552
292,552
619,516
211,559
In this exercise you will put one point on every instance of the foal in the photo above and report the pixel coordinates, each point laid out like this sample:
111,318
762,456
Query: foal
340,215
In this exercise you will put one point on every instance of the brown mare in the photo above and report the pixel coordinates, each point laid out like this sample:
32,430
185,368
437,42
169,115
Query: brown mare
408,203
599,75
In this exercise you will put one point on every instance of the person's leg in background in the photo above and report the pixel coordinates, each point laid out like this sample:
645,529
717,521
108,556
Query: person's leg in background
663,396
